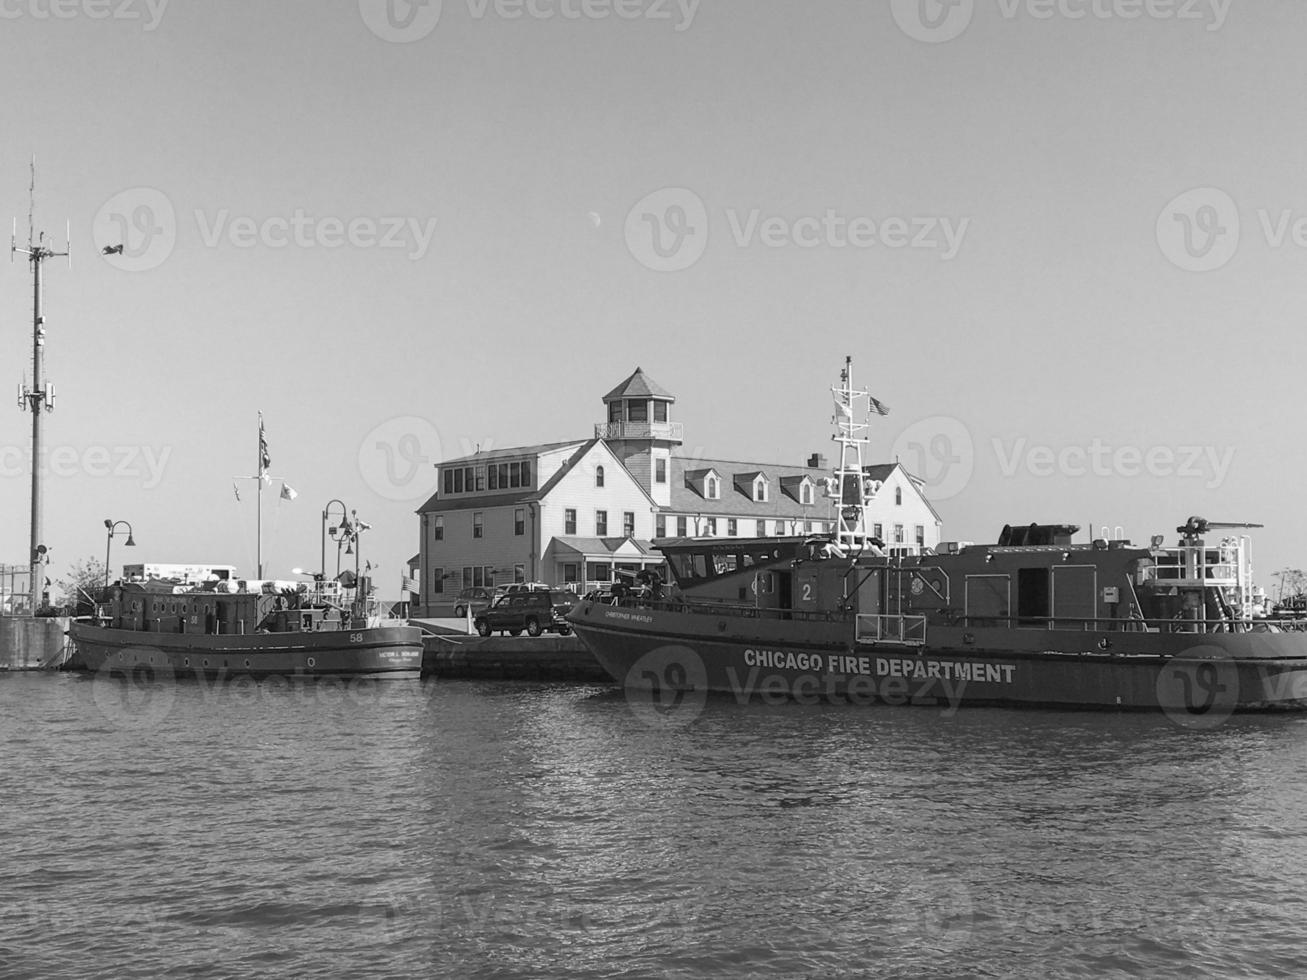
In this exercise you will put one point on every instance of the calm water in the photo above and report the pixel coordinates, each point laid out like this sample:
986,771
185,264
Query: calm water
443,829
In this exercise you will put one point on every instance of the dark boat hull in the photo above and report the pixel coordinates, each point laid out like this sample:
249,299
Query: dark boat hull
386,651
1194,675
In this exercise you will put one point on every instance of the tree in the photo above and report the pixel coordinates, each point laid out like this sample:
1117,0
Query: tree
82,585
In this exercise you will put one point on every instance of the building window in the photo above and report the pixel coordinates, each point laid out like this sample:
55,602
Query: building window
571,572
448,477
467,576
660,470
762,528
519,573
615,411
514,474
494,477
437,529
681,529
898,533
481,478
732,527
458,481
478,530
503,476
711,527
526,473
660,526
601,523
599,571
805,493
637,411
711,490
519,523
569,520
628,523
898,496
760,490
921,535
878,531
599,476
437,581
660,411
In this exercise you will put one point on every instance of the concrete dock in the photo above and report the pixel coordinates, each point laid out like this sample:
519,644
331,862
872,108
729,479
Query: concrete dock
450,652
32,643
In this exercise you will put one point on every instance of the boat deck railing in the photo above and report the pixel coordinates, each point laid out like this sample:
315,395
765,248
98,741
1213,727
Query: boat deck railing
1132,625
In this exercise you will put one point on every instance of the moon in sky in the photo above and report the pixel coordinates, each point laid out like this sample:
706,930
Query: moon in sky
595,219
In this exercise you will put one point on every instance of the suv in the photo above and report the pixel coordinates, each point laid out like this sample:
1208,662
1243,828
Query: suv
475,599
535,612
523,587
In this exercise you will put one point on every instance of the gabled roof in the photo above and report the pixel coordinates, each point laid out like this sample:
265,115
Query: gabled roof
744,482
602,546
639,385
509,453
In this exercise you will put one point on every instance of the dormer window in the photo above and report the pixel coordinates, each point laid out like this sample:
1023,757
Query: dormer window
712,488
599,476
805,492
760,490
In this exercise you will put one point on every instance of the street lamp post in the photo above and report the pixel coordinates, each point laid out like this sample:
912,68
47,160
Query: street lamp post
112,526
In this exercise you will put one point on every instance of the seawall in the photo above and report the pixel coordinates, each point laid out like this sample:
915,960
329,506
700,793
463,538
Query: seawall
32,644
539,658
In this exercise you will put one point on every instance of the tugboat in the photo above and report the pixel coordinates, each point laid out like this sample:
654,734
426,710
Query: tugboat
201,620
1030,620
228,627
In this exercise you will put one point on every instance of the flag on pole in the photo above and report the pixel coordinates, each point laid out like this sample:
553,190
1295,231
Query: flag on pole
236,490
264,459
878,407
287,491
843,407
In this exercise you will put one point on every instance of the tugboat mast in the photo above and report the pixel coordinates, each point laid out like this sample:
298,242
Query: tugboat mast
39,398
850,489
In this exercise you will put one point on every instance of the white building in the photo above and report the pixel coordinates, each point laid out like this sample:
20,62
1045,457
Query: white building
578,513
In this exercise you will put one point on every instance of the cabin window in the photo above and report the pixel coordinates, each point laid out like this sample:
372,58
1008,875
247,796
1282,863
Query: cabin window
601,523
569,520
1033,596
599,476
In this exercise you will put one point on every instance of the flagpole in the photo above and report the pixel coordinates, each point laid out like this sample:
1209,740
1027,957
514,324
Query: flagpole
258,521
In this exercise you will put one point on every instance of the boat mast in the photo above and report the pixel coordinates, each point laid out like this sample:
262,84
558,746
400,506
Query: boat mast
850,490
39,398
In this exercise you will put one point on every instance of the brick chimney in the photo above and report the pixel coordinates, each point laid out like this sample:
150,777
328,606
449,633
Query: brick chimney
816,462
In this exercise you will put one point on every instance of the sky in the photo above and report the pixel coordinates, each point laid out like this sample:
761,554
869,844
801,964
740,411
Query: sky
1064,241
